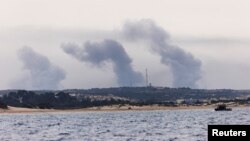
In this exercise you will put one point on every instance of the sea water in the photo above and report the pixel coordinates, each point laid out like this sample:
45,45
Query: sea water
162,125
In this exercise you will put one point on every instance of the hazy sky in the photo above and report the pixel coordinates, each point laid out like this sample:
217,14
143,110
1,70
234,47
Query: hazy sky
216,32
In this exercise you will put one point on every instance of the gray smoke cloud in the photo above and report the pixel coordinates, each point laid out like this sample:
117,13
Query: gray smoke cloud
42,74
185,68
97,53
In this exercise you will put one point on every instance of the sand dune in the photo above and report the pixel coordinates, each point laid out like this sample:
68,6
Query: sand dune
110,108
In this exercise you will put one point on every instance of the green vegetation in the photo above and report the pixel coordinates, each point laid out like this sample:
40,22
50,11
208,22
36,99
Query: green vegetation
69,99
3,105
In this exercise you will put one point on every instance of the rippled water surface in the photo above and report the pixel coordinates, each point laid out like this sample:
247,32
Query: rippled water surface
130,125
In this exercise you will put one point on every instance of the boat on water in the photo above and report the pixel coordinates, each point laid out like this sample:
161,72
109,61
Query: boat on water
222,107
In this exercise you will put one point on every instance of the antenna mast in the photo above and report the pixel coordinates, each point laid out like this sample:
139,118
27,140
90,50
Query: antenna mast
146,77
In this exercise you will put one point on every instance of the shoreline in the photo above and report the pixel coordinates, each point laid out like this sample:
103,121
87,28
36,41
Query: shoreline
16,110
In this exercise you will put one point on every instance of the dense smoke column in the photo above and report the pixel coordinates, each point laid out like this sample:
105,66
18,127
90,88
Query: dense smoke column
185,68
98,53
42,74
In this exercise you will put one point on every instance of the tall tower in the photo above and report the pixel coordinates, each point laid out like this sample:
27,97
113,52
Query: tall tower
146,77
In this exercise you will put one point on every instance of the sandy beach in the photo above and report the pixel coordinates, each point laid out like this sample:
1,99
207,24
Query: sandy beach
111,108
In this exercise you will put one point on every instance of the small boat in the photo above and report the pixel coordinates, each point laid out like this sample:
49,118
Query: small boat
222,107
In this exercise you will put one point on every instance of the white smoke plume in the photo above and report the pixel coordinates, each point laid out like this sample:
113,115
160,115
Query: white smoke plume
98,53
42,75
185,68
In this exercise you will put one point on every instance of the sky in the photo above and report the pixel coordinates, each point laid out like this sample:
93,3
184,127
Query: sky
213,35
